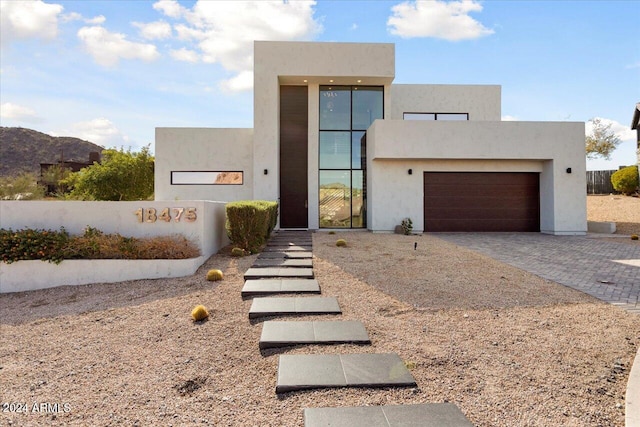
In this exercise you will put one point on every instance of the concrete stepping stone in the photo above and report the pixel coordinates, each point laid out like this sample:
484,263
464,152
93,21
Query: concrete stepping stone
274,306
285,255
419,415
287,248
279,286
281,334
307,371
282,262
275,272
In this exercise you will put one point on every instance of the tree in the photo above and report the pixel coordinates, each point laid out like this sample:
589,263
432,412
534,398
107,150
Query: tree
121,175
23,187
53,176
602,141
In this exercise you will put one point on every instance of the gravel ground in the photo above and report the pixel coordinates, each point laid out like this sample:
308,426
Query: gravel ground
509,348
623,210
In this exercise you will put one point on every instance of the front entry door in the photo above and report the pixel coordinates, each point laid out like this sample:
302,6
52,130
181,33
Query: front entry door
293,157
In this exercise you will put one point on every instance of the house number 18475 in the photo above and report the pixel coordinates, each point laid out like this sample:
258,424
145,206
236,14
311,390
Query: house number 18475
166,214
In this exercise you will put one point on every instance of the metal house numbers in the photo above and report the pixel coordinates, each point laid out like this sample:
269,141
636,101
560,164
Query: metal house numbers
152,215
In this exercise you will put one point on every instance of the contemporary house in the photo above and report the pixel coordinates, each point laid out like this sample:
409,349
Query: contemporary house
338,145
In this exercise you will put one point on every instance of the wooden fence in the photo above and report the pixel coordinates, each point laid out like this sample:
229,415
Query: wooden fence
599,182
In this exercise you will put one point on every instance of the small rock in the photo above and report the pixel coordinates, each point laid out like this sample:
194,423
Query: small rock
465,316
619,405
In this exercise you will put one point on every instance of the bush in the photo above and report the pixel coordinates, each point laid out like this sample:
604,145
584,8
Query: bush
407,226
214,275
634,237
31,244
55,246
625,180
250,222
199,313
341,242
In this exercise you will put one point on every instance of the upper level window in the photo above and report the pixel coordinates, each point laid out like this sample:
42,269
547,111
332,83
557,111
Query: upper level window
435,116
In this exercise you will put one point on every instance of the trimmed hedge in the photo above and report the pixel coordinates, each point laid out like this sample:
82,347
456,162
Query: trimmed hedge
625,180
250,222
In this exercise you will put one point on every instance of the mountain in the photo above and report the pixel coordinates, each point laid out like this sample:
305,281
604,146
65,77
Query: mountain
22,150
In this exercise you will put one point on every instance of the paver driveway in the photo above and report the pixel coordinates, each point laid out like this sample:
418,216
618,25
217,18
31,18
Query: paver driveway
607,270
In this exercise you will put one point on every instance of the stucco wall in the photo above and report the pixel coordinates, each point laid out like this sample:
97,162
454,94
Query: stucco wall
482,102
119,217
278,63
203,149
549,148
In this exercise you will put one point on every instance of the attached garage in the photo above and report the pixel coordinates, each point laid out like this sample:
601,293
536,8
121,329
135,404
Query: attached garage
481,201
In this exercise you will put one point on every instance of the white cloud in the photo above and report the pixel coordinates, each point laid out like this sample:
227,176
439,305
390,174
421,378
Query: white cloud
100,19
438,19
509,118
623,132
28,19
108,48
171,8
73,16
225,31
154,30
354,26
185,55
242,81
100,131
18,113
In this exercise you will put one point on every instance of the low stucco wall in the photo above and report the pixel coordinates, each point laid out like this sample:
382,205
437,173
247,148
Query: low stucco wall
394,146
207,231
32,275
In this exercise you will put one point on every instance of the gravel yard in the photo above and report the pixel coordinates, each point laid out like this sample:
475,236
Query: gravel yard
623,210
509,348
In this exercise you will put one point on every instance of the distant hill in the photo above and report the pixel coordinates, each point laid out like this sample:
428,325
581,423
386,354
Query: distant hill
22,150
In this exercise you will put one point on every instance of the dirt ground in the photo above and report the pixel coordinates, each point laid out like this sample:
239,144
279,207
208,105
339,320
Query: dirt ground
507,347
623,210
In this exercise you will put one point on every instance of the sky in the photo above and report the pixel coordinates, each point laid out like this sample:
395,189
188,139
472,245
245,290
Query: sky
112,71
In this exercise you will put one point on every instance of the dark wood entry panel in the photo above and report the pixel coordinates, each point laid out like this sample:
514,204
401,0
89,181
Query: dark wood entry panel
481,201
294,133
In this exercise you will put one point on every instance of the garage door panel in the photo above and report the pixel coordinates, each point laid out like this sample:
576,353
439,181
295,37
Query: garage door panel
486,201
452,225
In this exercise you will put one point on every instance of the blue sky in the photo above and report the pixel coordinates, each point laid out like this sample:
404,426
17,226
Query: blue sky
112,71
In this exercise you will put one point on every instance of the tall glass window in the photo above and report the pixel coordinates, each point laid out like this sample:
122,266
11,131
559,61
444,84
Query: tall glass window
346,112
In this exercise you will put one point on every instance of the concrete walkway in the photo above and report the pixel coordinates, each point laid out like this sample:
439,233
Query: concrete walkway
606,270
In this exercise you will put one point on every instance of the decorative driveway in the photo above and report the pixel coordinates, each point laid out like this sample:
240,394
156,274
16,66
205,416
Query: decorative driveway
606,270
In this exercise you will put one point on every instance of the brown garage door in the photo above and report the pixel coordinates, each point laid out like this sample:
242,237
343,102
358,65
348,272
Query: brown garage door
482,201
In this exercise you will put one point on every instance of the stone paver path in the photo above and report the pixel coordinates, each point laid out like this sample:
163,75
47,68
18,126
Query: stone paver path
281,334
603,269
280,286
286,266
283,262
421,415
306,371
275,272
262,307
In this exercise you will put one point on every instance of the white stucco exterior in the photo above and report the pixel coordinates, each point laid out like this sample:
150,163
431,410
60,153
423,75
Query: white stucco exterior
394,146
483,143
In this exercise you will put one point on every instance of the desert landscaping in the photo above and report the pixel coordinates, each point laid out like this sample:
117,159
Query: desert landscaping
507,347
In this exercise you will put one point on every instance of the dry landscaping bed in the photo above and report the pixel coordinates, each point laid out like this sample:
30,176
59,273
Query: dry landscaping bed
509,348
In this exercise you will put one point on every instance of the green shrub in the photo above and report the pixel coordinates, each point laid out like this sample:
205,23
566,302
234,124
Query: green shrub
199,313
332,232
407,226
634,237
250,222
341,242
625,180
31,244
214,275
55,246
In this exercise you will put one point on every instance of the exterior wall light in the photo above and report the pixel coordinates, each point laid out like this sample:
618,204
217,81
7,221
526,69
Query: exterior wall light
568,170
410,171
266,172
